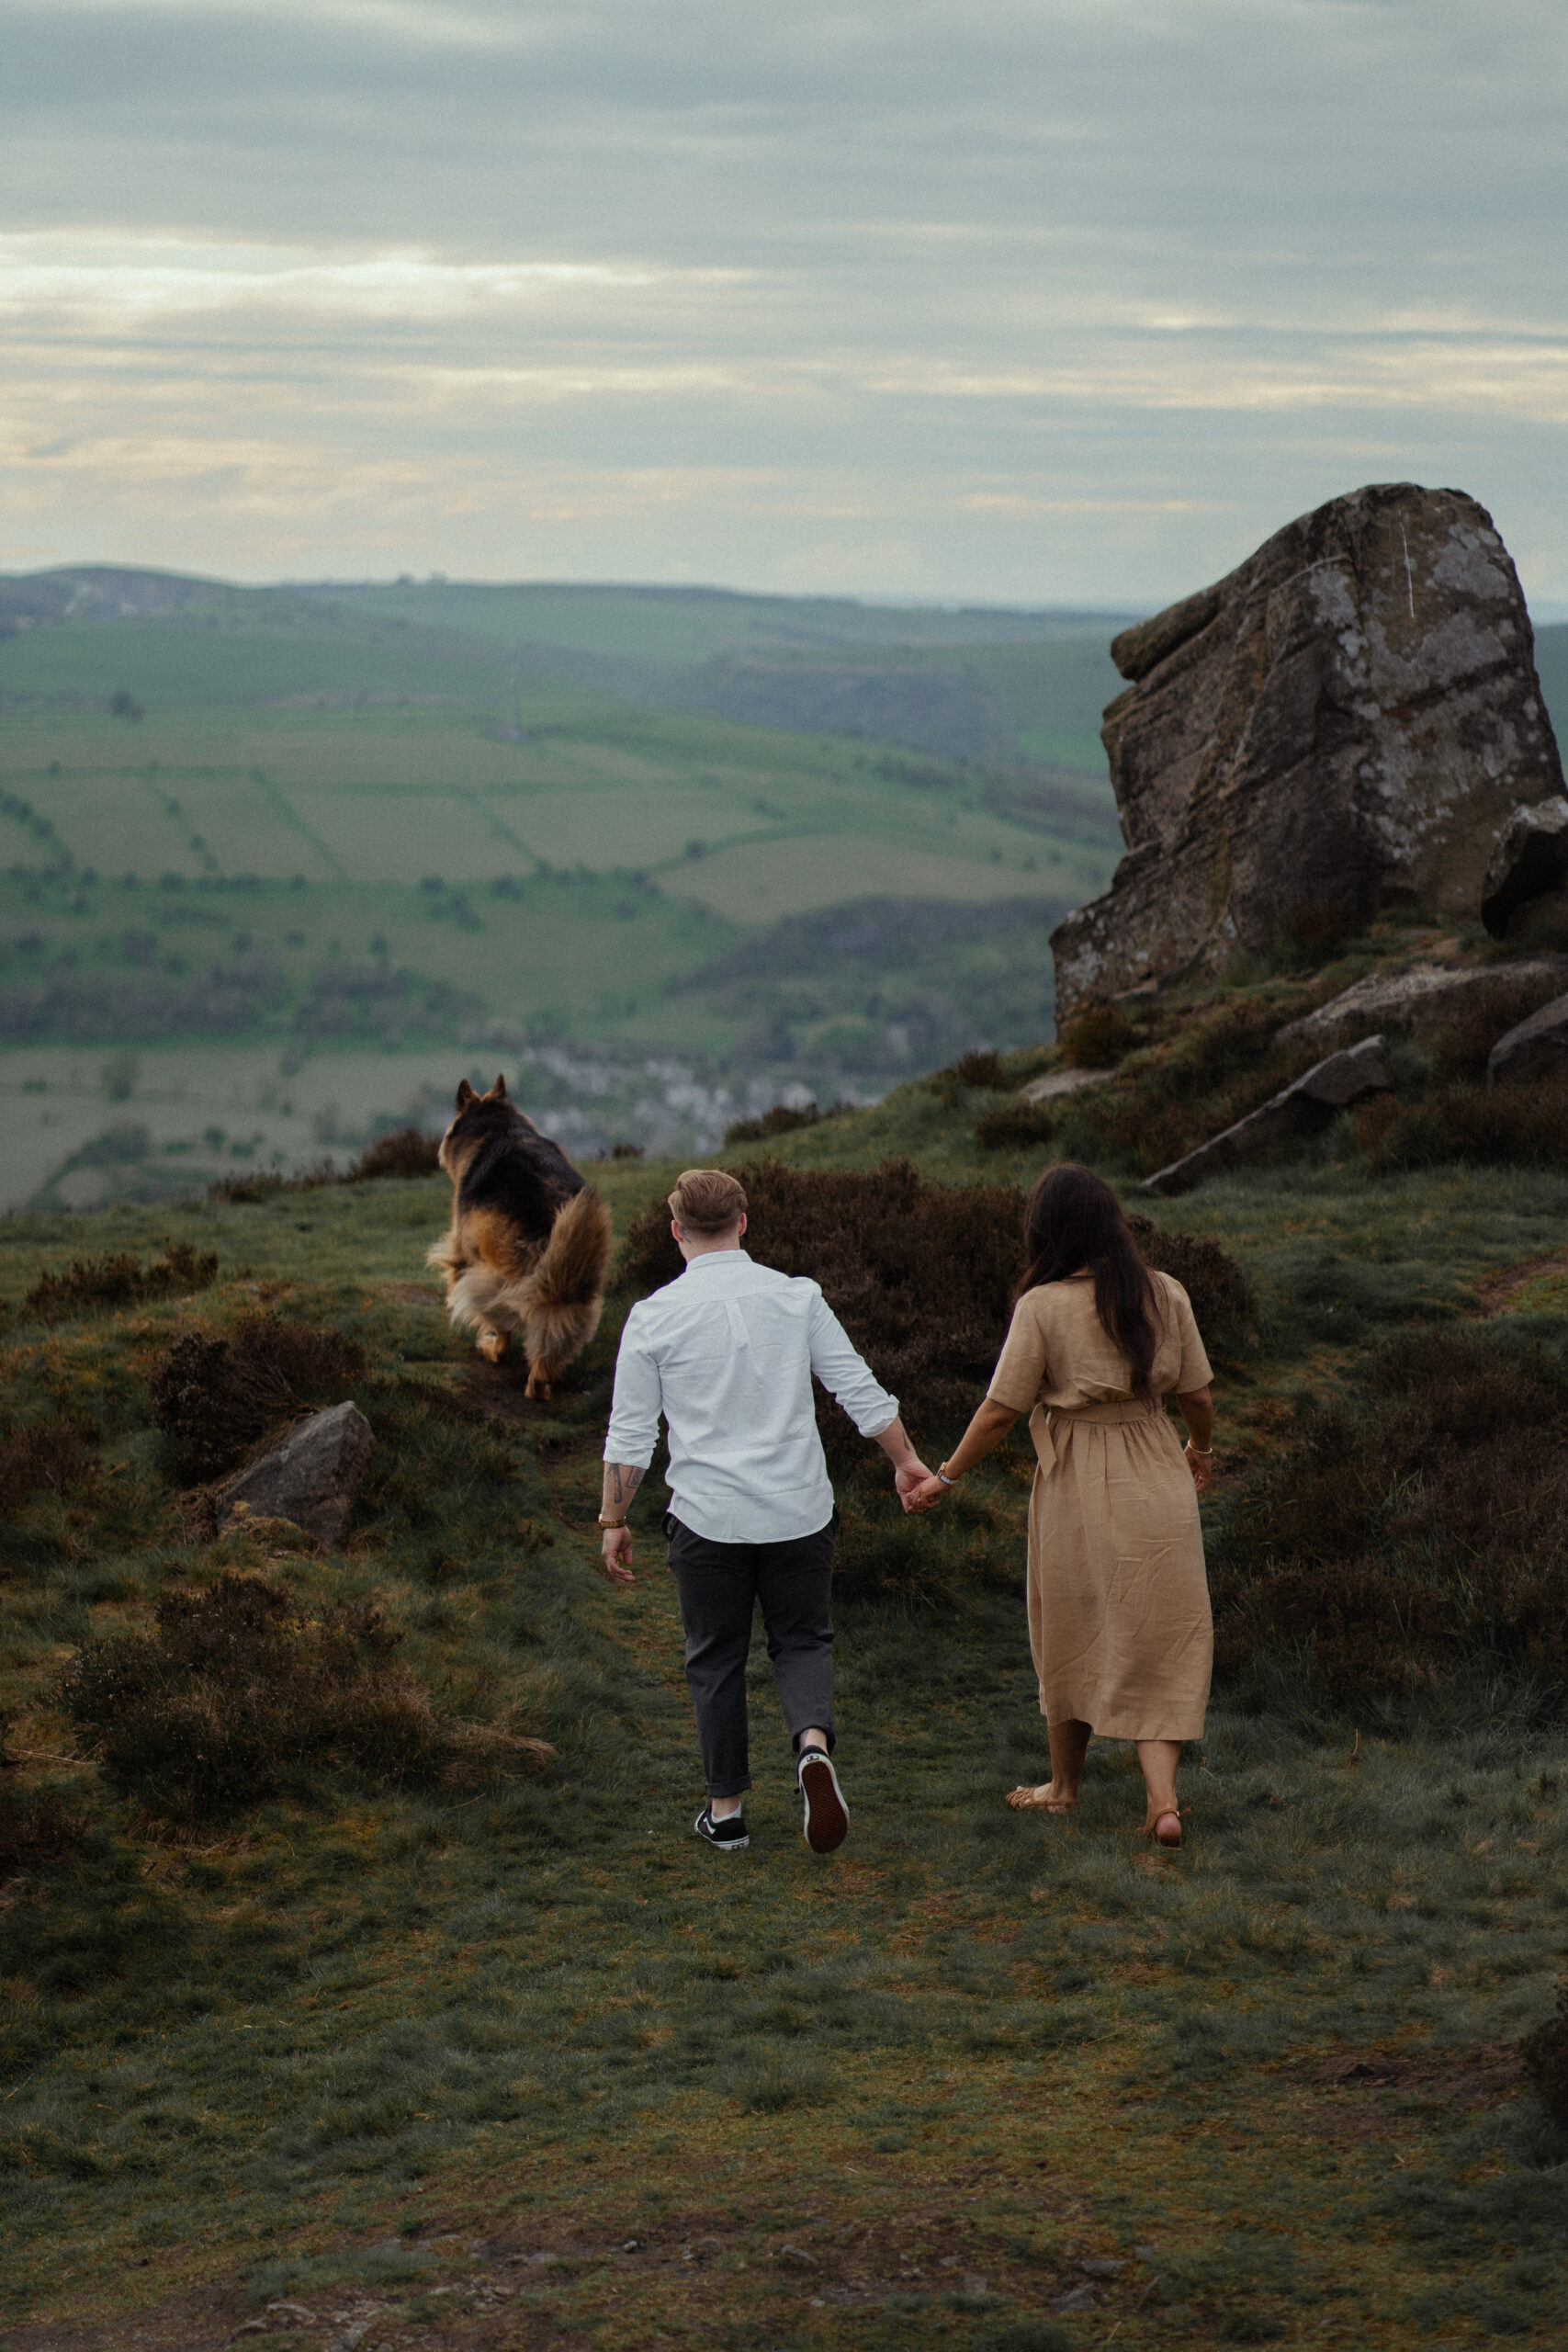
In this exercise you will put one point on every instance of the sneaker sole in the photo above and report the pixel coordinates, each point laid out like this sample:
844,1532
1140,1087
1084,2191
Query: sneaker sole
827,1821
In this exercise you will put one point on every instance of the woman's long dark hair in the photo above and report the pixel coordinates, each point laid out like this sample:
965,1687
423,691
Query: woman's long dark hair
1073,1224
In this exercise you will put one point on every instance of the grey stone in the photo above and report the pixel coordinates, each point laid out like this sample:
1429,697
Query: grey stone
1077,2299
1424,997
797,2257
310,1478
1058,1082
1302,1108
1530,858
1350,717
1100,2265
1535,1048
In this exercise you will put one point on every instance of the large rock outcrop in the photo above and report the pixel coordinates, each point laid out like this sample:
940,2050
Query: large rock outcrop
1348,719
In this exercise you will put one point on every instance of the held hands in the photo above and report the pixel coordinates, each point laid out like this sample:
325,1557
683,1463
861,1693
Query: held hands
910,1480
927,1495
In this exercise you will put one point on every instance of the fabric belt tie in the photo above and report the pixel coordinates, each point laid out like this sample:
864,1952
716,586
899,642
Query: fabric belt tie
1058,1422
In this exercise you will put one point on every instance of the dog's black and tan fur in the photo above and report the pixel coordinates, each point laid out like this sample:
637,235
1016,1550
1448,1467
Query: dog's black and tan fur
529,1247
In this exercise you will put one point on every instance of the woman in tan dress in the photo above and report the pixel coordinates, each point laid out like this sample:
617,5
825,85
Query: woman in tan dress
1119,1618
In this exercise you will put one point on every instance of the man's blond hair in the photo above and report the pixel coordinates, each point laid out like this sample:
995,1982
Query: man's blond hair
707,1202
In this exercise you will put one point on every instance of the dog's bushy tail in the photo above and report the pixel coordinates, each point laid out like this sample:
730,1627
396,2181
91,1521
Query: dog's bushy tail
556,1306
571,1273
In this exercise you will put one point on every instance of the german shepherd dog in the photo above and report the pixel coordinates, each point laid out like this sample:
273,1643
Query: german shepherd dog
529,1247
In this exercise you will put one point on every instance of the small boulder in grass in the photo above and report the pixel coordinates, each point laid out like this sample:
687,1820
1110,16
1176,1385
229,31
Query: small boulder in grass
311,1479
1535,1048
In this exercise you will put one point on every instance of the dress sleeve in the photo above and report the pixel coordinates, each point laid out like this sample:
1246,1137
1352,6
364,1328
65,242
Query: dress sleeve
1021,1368
1193,1370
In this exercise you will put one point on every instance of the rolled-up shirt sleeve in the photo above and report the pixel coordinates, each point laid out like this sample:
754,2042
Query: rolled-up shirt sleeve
634,1414
846,1375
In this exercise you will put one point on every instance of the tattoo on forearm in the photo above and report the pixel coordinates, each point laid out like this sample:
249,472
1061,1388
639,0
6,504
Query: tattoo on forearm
624,1482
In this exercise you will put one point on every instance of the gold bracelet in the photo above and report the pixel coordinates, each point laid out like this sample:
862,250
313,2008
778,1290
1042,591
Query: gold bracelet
609,1522
1204,1454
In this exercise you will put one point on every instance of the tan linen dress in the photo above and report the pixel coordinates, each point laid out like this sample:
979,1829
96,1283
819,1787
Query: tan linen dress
1119,1617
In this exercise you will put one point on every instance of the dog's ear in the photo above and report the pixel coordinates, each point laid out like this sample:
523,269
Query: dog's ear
498,1091
464,1094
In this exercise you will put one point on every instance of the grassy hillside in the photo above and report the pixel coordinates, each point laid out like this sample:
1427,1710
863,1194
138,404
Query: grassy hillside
399,2026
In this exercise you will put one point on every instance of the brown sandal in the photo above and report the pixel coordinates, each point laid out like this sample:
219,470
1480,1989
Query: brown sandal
1030,1801
1157,1829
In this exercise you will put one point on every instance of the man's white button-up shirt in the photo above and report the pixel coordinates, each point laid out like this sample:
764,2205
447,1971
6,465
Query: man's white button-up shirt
726,1353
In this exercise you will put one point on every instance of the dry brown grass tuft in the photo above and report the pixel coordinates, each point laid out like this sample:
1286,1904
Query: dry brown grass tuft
1545,2053
212,1397
1015,1126
119,1280
780,1121
52,1454
1506,1126
35,1826
241,1688
1099,1037
410,1152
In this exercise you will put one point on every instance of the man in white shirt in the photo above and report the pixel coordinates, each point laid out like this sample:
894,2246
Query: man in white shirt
726,1354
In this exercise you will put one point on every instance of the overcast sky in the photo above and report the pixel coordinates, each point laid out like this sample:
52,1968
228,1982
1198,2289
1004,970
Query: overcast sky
1037,300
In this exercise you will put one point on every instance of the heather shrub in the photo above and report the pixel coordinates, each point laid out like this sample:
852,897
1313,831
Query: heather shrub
1014,1126
409,1152
1097,1037
35,1826
1419,1525
780,1121
119,1280
212,1397
1209,1274
245,1191
241,1689
981,1068
1507,1125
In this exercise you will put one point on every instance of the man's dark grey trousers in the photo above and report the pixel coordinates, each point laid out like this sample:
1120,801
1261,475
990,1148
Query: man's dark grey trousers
719,1585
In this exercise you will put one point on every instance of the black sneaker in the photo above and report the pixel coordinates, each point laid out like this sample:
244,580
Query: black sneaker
826,1815
728,1834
